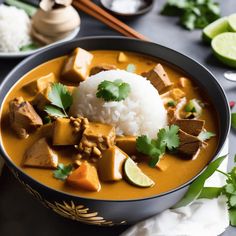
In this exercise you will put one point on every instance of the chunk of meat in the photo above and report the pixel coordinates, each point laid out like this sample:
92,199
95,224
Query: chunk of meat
159,78
122,57
23,117
102,67
96,138
189,145
76,68
85,177
190,126
40,84
40,155
127,144
68,131
111,163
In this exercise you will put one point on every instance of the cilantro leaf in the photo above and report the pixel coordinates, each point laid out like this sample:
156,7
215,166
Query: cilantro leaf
113,90
232,216
205,135
62,171
60,99
167,138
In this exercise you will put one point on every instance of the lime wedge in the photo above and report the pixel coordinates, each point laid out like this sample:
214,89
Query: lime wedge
232,22
224,47
217,27
135,175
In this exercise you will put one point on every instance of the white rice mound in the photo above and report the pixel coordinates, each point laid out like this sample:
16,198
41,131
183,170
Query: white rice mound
14,29
141,113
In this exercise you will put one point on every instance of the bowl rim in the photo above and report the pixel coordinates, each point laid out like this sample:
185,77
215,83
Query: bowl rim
47,188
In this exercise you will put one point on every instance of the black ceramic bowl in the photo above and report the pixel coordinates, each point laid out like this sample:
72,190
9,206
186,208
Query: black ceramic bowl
110,212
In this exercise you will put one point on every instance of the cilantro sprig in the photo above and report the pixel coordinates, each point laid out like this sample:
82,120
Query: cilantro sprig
60,99
113,90
62,171
167,139
193,13
205,135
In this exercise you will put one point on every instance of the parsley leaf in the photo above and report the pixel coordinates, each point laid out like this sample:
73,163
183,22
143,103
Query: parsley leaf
205,135
60,99
62,171
113,90
167,138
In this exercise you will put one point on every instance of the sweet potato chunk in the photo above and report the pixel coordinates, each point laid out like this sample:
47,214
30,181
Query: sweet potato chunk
40,84
189,145
23,117
122,57
76,68
68,131
163,164
110,165
85,177
96,138
190,126
102,67
158,77
40,155
127,144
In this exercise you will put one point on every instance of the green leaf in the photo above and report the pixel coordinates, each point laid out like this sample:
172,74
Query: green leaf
233,120
131,68
113,90
211,192
29,9
232,201
205,135
171,103
29,47
235,158
232,216
62,171
188,20
196,187
54,111
230,188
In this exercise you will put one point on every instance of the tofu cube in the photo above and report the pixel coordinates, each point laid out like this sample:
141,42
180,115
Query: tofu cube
127,144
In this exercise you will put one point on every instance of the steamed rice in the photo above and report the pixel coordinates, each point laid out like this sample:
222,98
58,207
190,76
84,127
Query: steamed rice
14,29
141,113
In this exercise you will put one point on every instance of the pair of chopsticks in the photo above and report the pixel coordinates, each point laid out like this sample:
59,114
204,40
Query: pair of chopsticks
97,12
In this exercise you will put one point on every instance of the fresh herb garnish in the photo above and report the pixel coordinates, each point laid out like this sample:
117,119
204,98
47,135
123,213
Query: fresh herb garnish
60,99
167,138
29,47
205,135
62,171
193,13
171,103
131,68
233,120
190,107
47,120
113,90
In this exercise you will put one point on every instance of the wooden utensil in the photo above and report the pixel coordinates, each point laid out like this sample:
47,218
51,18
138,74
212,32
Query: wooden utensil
97,12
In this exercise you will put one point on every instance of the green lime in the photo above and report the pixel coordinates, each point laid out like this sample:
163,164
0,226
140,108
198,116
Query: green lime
232,22
224,47
135,175
217,27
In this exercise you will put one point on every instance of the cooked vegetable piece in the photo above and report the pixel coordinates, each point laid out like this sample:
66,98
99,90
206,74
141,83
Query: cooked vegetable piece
189,145
46,130
40,84
163,164
175,94
193,127
184,82
127,144
42,99
135,175
158,77
40,155
23,117
97,137
122,57
76,68
193,109
111,163
85,177
68,131
103,67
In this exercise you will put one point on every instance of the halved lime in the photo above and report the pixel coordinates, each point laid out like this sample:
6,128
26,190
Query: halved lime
224,47
135,175
232,22
217,27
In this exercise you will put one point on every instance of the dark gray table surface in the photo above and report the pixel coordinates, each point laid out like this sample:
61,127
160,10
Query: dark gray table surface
20,215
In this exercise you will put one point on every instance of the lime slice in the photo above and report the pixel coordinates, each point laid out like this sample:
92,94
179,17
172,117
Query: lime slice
224,47
232,22
217,27
135,175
